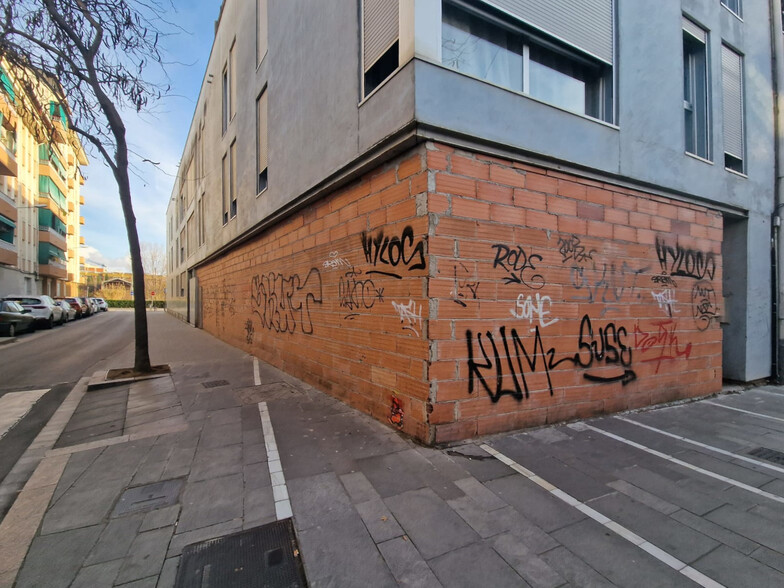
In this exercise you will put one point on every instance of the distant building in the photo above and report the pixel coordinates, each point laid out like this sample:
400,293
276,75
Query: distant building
40,193
467,216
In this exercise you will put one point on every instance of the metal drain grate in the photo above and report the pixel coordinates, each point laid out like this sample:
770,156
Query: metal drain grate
770,455
215,383
149,497
265,556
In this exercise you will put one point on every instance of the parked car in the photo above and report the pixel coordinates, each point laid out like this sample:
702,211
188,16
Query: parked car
70,311
77,305
88,308
15,319
93,305
103,306
45,310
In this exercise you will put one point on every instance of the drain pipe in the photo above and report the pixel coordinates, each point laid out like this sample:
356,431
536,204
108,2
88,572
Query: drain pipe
777,235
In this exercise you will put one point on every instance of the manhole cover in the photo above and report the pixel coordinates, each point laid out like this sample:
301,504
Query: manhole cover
770,455
149,497
215,383
265,556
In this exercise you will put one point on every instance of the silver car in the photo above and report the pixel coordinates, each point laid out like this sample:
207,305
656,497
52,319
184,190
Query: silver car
70,311
46,311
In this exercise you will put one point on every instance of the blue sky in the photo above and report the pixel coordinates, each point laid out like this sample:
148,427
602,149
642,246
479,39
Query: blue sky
159,136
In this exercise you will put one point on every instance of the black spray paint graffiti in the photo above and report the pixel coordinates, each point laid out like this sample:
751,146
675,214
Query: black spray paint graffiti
394,251
463,289
283,303
249,332
516,262
570,247
703,301
356,293
680,261
664,280
607,348
612,283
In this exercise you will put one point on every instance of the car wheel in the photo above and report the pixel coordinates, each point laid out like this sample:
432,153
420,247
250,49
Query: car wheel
50,322
12,330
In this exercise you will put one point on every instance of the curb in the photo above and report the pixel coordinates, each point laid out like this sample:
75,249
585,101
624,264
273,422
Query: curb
98,380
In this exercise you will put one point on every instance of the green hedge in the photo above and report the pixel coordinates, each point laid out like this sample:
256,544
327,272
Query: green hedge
129,303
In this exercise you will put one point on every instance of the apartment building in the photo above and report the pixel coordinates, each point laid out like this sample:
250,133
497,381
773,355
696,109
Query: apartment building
40,199
469,216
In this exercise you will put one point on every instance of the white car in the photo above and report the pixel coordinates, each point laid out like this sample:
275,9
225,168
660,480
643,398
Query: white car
102,304
70,311
45,310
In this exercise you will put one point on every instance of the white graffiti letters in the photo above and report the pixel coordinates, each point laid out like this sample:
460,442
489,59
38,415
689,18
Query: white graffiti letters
410,317
527,308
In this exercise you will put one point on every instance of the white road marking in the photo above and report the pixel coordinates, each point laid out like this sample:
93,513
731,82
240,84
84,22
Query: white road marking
15,405
279,491
757,414
256,376
756,462
687,465
619,530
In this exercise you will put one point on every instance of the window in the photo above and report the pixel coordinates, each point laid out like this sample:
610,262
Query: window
261,142
233,179
200,212
732,107
232,82
511,55
380,50
733,6
695,90
226,98
225,187
261,30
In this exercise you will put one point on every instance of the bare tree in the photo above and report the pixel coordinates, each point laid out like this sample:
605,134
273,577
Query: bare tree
92,56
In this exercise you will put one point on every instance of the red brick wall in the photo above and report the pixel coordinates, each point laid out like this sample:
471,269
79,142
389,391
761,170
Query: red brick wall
451,294
555,297
336,295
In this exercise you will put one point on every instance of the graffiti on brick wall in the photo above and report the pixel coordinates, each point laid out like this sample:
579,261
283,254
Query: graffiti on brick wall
390,255
705,309
607,346
356,292
571,249
666,300
519,265
608,284
249,331
283,303
334,261
661,344
410,316
396,413
664,280
677,260
220,301
532,309
466,285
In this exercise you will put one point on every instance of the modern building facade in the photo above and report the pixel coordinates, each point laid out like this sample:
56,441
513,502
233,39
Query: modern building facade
464,217
40,193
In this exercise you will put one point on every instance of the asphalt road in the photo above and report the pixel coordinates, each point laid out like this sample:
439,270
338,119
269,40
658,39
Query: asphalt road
55,360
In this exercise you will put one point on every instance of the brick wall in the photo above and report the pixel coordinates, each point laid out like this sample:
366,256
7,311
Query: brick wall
555,297
451,294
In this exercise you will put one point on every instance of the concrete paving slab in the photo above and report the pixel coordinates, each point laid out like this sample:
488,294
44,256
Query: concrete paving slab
481,495
318,500
406,564
359,487
475,565
534,570
770,558
717,532
643,497
102,574
54,560
379,521
144,583
209,502
146,555
168,573
478,463
430,523
161,517
221,435
736,570
216,462
574,570
342,553
115,540
406,470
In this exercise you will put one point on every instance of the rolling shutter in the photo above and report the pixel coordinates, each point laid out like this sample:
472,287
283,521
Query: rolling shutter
584,24
380,22
732,92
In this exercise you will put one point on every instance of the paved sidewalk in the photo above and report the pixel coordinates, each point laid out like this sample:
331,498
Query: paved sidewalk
558,506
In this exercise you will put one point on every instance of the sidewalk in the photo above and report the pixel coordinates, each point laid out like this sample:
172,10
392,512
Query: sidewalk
231,444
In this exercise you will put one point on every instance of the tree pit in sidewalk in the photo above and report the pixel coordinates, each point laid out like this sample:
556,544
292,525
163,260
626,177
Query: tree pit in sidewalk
125,373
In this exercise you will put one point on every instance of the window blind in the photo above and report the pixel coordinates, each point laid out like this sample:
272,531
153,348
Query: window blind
381,26
732,91
584,24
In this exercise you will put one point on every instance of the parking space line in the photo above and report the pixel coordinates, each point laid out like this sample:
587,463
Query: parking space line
685,464
280,493
620,530
256,375
756,462
757,414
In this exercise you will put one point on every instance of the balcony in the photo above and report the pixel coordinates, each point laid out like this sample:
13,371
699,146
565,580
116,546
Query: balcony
49,235
71,230
8,165
81,240
51,261
53,269
8,207
8,254
71,206
81,220
81,198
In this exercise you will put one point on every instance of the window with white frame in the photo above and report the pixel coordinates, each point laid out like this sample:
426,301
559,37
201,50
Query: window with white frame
696,111
733,6
486,43
732,109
